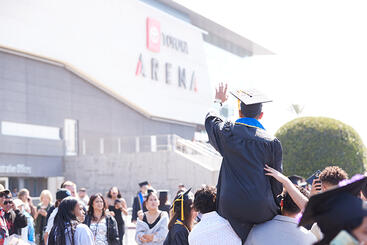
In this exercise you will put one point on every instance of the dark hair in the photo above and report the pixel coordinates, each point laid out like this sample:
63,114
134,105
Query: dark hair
296,179
187,207
90,204
118,192
65,220
162,200
204,201
289,205
252,111
333,175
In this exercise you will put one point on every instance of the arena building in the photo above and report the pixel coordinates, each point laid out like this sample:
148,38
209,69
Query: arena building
107,93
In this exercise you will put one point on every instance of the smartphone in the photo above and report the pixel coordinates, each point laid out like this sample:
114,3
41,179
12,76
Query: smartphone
344,238
312,177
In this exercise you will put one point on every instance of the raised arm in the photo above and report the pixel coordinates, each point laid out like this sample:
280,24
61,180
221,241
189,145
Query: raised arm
295,194
213,123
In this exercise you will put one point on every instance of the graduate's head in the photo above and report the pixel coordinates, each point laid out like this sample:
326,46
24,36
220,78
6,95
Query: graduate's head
252,111
288,206
250,102
339,209
331,176
204,201
182,210
144,186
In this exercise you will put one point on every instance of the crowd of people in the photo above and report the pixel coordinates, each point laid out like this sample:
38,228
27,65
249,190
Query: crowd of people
191,218
254,203
74,217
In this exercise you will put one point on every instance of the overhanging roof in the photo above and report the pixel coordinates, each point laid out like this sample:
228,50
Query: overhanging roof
218,35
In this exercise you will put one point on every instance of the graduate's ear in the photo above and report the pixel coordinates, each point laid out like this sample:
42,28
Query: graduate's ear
240,114
281,203
261,115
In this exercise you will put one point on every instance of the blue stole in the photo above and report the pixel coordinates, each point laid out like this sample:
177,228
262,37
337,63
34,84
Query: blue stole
141,200
250,122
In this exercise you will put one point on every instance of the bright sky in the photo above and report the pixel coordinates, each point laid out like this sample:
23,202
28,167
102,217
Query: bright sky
320,61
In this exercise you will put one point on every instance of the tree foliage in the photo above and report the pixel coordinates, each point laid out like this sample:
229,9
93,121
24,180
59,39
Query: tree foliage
312,143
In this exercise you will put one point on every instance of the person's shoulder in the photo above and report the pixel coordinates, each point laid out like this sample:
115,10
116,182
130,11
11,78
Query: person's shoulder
164,214
81,228
307,235
260,228
180,229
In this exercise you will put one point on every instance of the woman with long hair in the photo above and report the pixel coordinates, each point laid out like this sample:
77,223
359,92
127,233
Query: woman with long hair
151,228
117,207
182,219
102,225
67,230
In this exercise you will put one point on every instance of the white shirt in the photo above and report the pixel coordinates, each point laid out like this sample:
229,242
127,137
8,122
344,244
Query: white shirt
82,236
50,221
213,230
281,230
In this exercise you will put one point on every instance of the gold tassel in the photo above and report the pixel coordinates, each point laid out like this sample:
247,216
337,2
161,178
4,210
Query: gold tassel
182,211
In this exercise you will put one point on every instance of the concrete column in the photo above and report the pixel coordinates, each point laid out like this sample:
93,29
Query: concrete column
20,183
153,143
137,144
119,145
101,145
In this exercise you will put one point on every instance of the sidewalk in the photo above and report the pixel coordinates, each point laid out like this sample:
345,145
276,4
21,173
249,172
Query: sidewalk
129,237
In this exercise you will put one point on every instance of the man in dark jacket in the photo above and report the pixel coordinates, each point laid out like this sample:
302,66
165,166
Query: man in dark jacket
245,195
138,203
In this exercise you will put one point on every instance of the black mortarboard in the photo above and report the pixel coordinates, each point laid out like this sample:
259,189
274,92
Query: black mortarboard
163,194
337,209
180,199
62,193
151,190
141,184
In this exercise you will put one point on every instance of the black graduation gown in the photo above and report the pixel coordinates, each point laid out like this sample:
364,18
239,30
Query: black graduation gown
178,235
136,208
245,195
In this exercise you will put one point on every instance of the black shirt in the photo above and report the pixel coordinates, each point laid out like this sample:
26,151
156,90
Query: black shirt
154,223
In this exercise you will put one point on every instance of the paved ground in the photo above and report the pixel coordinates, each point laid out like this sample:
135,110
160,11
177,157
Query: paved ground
129,238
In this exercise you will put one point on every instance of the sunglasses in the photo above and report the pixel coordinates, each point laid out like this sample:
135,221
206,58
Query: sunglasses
8,202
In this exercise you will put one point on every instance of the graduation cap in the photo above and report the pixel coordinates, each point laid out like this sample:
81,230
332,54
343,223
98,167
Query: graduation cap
150,190
163,194
179,200
141,184
337,209
250,96
250,101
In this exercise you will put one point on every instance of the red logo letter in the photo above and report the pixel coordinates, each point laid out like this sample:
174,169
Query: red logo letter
153,35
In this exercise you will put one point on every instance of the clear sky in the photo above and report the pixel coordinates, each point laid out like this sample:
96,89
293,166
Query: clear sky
320,56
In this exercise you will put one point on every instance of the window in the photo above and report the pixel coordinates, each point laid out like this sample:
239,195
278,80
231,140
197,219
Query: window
30,130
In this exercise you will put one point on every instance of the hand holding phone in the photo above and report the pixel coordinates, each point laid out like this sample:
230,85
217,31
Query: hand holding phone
316,187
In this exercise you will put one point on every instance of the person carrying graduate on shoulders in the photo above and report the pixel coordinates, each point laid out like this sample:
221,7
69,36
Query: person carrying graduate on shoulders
245,195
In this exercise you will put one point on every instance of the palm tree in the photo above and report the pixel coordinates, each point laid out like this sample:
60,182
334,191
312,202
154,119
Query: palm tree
296,108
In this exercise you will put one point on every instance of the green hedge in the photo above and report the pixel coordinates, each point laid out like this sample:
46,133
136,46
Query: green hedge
312,143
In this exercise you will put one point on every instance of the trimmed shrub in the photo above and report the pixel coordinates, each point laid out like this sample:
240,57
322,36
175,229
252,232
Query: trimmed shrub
312,143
